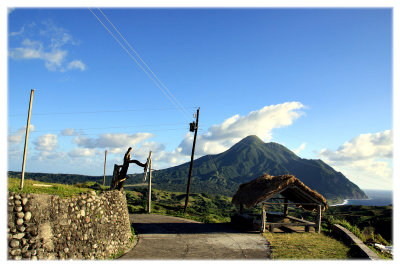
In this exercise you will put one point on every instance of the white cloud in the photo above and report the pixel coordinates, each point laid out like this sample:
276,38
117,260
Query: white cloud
76,64
82,152
365,159
50,48
18,32
219,138
18,136
113,141
48,155
68,132
378,145
300,148
47,142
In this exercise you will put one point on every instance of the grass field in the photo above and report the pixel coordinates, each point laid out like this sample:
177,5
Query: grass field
30,186
299,246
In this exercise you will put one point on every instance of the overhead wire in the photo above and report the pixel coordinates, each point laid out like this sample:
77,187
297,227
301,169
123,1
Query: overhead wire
112,127
93,112
141,67
147,66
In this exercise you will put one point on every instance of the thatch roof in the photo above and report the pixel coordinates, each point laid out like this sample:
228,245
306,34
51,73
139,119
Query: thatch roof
266,187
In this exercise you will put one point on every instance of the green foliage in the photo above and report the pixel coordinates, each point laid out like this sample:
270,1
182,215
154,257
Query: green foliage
202,207
133,235
378,218
367,235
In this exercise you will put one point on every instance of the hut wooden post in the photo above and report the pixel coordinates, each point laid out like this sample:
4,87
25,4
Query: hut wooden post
318,220
285,207
263,218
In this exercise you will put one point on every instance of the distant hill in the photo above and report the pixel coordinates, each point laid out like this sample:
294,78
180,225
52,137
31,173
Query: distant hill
248,159
223,173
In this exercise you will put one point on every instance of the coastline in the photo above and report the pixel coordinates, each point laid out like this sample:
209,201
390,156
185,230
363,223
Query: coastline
346,201
376,197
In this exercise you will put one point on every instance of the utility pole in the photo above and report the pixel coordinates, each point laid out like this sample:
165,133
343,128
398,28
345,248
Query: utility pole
105,161
26,140
193,127
149,207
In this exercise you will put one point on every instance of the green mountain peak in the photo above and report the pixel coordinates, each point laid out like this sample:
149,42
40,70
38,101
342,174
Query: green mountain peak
248,159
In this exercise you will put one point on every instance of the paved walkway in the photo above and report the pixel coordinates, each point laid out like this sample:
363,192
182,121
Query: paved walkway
166,237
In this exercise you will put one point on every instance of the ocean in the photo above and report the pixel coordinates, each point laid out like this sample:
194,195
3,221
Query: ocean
376,198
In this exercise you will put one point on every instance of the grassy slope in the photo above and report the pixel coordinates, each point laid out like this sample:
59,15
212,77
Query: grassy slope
306,246
55,189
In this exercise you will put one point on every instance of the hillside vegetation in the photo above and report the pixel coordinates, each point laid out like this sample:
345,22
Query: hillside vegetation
221,174
248,159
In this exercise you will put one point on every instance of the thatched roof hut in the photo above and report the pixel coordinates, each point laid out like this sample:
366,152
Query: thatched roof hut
266,187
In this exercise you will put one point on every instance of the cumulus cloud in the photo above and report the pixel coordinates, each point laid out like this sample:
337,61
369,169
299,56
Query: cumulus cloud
82,152
365,159
18,136
68,132
219,138
48,155
113,140
76,64
365,146
47,142
50,48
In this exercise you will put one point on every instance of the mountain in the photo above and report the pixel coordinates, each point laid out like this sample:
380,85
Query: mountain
248,159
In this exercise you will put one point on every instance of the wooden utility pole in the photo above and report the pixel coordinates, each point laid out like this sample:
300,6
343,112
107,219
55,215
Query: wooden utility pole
191,161
149,207
105,161
26,140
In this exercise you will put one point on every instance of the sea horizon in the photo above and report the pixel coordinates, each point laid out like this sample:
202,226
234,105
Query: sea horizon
376,197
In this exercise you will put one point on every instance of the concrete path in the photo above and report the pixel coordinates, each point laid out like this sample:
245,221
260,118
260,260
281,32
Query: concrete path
166,237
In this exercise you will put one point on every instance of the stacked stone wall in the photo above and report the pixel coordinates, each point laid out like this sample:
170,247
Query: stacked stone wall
88,226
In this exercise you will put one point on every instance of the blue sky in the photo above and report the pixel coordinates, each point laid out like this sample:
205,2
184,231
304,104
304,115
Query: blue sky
318,81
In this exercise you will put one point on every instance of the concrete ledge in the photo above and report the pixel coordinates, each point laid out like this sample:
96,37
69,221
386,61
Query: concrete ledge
362,250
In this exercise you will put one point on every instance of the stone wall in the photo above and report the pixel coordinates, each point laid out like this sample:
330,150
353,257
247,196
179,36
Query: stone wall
359,249
87,226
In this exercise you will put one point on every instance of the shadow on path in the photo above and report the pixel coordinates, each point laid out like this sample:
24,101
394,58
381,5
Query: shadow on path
167,237
183,228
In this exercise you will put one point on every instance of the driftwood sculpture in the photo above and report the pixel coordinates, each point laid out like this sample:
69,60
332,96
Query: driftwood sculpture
120,171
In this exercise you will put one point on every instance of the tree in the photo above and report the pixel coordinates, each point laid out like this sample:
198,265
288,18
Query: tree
120,171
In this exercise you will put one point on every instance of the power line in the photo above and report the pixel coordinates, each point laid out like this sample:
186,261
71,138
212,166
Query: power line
130,46
150,130
111,127
132,57
95,112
